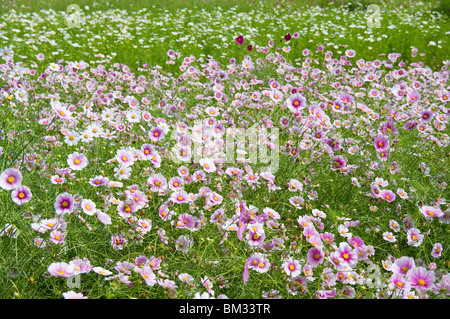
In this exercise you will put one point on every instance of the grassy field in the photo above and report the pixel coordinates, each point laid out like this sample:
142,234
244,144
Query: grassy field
361,181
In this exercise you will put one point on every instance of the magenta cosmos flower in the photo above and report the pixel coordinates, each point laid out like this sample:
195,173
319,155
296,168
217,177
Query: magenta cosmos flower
421,278
388,195
437,250
315,256
77,161
21,195
240,39
296,102
10,178
381,143
347,254
64,204
156,134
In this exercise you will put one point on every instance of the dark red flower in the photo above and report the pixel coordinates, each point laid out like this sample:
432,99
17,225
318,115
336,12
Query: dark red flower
288,37
250,47
240,39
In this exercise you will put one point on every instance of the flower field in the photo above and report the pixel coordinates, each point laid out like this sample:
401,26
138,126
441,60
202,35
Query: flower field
254,150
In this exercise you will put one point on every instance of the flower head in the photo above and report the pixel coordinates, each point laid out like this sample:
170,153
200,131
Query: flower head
21,195
64,204
10,178
421,278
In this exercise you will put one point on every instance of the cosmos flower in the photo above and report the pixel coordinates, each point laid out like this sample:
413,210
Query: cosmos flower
315,256
156,134
184,243
10,178
88,207
394,226
347,254
292,267
403,264
56,179
149,276
296,102
388,195
21,195
208,165
421,278
64,204
60,269
73,295
415,238
388,236
104,218
437,250
57,237
381,143
240,39
431,211
180,197
124,157
98,181
101,271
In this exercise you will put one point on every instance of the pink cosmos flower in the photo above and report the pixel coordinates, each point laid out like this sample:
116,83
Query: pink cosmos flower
103,218
415,238
296,102
403,265
402,193
77,161
208,165
64,204
292,267
10,178
431,211
73,295
388,236
88,206
101,271
347,254
315,256
388,195
125,157
180,197
21,195
98,181
421,278
149,276
437,250
60,269
157,183
56,179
